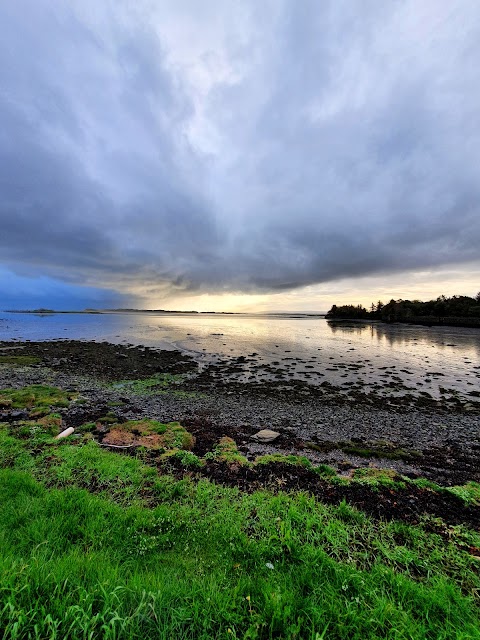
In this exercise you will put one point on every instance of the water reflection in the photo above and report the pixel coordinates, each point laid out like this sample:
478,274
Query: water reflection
346,327
307,348
401,334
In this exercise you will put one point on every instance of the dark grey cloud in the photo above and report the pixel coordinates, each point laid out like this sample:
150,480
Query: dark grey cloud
94,183
262,148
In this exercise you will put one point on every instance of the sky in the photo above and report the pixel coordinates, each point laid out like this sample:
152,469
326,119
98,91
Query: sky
238,155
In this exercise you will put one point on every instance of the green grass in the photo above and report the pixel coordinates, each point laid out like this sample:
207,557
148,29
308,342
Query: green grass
51,424
20,361
188,459
297,461
149,385
226,451
423,483
160,383
469,493
151,434
96,544
37,398
325,470
206,560
99,545
375,477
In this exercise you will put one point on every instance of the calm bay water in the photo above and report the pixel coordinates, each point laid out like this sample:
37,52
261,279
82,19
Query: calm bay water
379,356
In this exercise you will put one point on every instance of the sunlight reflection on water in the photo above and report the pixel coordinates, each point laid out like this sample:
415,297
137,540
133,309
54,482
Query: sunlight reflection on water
308,348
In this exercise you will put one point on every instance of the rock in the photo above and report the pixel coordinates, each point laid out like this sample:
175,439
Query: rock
266,435
19,415
65,433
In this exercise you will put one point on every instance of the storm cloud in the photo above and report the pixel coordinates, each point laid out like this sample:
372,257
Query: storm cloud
164,147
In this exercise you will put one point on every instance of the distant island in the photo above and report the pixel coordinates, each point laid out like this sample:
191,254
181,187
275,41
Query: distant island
458,311
43,311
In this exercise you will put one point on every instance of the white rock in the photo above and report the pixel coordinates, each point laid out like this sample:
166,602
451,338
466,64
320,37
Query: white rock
266,435
65,433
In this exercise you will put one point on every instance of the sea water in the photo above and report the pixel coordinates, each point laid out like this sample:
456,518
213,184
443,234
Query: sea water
372,355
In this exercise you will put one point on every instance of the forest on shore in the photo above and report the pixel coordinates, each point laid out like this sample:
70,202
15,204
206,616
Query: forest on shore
454,310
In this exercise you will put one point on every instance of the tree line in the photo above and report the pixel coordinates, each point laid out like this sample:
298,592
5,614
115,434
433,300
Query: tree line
462,310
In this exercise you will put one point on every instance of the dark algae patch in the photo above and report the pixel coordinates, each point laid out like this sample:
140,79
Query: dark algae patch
367,450
103,360
162,517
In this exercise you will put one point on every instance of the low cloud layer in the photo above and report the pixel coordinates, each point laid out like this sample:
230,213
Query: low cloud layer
241,147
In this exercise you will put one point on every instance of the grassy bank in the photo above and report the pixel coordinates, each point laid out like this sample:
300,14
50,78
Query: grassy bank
97,544
150,556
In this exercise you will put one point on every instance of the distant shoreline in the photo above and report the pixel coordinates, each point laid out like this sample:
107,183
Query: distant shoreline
456,311
49,312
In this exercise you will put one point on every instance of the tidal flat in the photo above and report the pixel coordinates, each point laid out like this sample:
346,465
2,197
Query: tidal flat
412,434
167,517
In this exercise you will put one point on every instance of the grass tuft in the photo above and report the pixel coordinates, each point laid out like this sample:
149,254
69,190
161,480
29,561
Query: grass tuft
375,477
150,434
37,398
469,493
226,450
